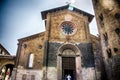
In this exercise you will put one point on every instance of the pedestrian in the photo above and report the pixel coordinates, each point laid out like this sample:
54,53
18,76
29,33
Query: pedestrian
68,77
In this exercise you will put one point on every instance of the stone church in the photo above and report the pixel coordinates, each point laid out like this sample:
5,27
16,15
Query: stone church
68,48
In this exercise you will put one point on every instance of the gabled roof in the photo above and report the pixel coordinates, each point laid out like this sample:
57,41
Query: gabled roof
4,49
32,36
44,13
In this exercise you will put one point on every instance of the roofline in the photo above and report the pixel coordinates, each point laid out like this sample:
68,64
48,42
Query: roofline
7,56
31,36
44,13
4,49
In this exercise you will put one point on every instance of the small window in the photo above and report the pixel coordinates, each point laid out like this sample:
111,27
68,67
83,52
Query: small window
105,36
96,1
101,17
115,49
105,39
40,46
31,60
25,45
117,30
109,53
117,15
101,20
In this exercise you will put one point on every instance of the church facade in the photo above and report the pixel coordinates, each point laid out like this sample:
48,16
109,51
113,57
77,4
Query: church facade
65,48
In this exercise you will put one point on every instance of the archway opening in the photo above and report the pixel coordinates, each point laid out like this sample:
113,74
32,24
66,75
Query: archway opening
69,62
6,71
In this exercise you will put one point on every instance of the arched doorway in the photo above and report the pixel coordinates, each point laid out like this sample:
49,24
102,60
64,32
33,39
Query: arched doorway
69,62
6,71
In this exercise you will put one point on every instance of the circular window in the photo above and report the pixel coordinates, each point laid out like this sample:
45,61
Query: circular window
68,28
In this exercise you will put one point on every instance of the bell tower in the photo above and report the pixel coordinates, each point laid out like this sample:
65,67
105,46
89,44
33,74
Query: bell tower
68,47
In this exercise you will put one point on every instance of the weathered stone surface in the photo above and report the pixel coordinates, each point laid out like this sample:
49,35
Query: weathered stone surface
38,74
108,21
32,44
51,73
116,67
52,54
87,54
86,75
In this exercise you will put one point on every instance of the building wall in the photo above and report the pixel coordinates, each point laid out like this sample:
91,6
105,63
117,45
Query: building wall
107,14
30,45
6,63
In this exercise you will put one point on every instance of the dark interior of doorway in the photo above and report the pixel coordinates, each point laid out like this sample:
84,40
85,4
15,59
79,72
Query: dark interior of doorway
69,72
68,67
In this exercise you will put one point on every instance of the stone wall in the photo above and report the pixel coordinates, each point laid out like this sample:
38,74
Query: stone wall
53,27
51,60
107,14
87,54
88,73
31,45
88,67
24,74
88,64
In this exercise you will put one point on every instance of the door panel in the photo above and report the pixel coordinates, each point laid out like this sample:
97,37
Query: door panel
68,67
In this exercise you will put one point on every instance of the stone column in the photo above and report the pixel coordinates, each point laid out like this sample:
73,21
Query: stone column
78,68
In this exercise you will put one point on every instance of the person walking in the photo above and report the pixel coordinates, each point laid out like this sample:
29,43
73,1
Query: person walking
68,77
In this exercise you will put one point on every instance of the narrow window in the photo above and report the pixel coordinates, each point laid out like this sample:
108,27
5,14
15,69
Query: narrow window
117,15
109,53
117,30
96,1
31,60
101,17
101,20
25,45
105,39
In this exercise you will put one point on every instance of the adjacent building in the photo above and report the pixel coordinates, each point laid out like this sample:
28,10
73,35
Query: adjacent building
6,64
107,14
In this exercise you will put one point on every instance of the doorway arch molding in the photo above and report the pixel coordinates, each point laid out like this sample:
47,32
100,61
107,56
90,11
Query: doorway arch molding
77,55
71,46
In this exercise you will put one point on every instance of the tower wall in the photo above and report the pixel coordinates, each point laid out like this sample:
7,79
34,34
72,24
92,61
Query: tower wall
107,14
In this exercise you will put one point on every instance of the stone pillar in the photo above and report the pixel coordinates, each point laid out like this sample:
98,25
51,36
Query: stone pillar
13,74
78,68
59,66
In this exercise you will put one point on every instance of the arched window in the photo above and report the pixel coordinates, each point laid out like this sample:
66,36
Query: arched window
31,60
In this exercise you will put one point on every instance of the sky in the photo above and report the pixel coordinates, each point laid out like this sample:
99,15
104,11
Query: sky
22,18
